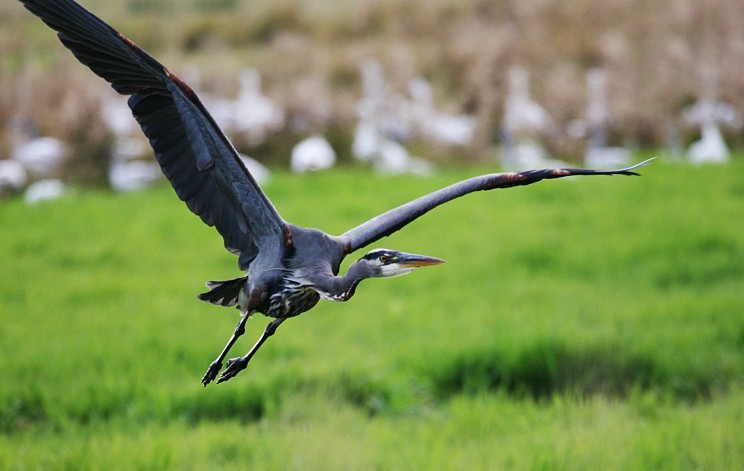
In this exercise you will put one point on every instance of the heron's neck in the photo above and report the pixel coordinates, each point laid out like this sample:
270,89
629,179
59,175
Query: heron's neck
342,287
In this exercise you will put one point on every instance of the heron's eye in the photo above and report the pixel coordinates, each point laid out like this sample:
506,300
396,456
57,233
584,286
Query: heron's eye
383,258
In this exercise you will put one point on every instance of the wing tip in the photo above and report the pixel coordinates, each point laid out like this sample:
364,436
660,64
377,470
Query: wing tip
629,170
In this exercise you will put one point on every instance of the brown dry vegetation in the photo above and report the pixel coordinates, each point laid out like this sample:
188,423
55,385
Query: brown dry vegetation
658,55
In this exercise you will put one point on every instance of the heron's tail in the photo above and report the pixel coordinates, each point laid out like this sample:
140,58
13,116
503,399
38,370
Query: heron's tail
223,293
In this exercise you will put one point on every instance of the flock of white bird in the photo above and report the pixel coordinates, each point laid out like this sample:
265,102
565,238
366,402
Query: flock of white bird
526,121
385,120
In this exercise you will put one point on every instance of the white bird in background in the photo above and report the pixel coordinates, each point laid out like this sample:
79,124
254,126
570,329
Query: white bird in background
389,112
44,190
366,141
382,118
128,171
393,158
709,110
710,148
311,154
442,128
598,154
132,175
384,154
13,176
254,116
523,115
41,156
523,123
710,114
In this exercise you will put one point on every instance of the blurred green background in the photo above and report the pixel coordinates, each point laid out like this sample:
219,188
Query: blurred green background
584,324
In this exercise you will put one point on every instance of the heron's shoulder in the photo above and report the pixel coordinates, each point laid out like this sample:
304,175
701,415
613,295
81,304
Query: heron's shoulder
311,245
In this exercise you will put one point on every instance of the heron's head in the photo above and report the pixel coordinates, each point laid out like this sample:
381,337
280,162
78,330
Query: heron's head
388,263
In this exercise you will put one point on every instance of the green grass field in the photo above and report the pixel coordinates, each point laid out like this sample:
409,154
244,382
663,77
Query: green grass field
594,323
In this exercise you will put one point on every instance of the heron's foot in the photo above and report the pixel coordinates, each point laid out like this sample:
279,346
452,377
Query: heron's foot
211,373
234,366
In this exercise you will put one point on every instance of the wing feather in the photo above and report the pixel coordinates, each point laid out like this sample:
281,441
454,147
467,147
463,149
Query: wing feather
193,152
395,219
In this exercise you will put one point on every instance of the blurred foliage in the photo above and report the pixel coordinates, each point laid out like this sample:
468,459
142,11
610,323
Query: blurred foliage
659,56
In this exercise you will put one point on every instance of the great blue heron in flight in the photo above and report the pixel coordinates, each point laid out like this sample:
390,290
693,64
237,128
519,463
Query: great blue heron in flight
288,267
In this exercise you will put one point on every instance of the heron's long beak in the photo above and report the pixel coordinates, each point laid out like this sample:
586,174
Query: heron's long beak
414,261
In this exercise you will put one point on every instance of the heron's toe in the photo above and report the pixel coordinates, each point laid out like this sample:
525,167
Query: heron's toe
211,373
234,366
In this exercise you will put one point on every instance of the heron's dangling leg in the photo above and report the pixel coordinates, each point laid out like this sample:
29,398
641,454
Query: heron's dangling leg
235,365
216,365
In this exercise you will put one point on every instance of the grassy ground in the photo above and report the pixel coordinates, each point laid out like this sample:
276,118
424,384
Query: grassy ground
585,324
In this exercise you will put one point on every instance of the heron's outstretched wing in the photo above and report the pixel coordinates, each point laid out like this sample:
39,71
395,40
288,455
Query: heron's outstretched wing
395,219
193,152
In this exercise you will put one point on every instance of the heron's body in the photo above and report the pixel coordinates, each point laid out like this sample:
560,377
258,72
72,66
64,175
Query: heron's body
290,284
288,268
